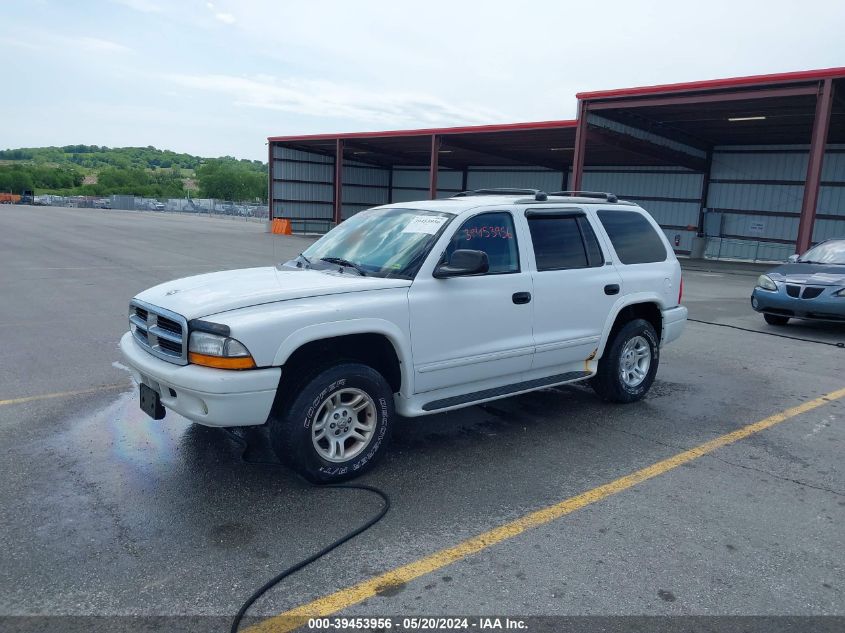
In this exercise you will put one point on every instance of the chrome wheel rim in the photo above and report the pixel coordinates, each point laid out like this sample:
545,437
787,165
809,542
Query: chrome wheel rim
344,425
635,361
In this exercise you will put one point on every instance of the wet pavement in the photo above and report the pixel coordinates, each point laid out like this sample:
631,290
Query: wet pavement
108,512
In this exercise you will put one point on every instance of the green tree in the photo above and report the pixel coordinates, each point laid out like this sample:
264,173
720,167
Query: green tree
229,179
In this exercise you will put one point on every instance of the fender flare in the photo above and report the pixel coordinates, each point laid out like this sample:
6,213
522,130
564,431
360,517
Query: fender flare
332,329
621,304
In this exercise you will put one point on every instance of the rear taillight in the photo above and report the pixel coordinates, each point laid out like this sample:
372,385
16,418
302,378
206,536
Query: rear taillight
681,290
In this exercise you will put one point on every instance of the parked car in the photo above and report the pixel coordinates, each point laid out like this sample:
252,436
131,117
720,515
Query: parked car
412,308
810,286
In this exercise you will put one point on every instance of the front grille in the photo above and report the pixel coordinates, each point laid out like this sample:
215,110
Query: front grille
811,292
175,348
793,291
169,325
161,332
826,316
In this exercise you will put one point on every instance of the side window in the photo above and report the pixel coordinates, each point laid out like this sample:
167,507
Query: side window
633,237
594,253
492,233
564,241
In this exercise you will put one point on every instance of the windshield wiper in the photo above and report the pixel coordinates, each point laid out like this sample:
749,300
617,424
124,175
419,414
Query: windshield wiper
344,262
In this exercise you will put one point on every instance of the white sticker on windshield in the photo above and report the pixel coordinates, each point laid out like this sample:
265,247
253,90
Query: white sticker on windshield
425,224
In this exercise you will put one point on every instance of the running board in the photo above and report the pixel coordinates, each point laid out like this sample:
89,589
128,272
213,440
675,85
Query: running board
486,394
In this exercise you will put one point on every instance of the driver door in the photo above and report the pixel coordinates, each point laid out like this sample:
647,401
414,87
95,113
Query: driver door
466,330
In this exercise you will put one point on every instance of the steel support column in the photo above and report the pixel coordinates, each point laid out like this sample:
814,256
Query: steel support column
434,166
705,187
338,181
821,124
269,180
580,147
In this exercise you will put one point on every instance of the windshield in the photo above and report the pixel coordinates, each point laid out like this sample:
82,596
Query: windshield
832,252
380,242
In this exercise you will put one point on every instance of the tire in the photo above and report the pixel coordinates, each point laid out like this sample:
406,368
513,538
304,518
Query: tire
776,319
314,430
641,341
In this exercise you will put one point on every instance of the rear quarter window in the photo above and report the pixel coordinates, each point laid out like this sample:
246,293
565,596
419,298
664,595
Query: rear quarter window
633,237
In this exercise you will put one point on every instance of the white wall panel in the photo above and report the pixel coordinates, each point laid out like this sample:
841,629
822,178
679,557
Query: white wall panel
529,178
756,197
760,166
784,193
659,185
671,195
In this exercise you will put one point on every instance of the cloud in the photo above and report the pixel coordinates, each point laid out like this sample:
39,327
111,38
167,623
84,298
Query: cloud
29,45
144,6
51,41
225,18
318,98
96,44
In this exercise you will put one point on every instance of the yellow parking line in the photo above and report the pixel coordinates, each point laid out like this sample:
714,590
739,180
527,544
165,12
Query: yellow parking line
63,394
327,605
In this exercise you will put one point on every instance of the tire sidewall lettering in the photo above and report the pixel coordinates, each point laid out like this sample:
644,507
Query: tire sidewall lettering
382,422
318,400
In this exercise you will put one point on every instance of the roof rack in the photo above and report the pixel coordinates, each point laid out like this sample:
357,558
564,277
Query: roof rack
503,191
587,194
496,191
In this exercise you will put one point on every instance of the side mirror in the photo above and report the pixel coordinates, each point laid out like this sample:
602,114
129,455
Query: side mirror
463,262
793,258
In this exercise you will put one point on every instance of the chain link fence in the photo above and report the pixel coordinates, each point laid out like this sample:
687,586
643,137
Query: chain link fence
206,206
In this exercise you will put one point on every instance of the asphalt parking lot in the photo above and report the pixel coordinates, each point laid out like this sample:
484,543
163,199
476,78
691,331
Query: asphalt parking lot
107,512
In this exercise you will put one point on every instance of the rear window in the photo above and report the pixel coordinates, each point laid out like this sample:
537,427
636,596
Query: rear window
633,237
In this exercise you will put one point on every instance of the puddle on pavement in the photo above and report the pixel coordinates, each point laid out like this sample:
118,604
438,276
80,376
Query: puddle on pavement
125,435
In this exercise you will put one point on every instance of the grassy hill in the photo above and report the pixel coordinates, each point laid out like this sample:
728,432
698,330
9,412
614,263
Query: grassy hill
145,171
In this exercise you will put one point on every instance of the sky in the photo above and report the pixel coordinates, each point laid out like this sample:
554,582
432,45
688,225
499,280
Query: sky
217,78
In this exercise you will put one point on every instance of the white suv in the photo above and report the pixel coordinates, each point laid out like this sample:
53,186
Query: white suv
413,308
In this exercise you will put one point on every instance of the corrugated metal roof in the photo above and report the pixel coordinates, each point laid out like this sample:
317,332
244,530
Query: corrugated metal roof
470,129
714,84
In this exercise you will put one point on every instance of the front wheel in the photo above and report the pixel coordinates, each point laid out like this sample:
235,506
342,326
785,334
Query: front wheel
337,424
775,319
629,365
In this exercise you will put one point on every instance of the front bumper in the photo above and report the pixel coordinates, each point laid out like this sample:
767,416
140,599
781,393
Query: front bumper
674,321
825,307
212,397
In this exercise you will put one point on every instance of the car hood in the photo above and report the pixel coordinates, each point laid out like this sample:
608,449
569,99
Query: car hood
815,274
201,295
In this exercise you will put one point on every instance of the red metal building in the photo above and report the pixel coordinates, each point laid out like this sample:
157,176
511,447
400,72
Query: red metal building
750,161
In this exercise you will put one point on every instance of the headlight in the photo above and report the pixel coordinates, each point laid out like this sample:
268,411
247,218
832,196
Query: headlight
222,352
765,282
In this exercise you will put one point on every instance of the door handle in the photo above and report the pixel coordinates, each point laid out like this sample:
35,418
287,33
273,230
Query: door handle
521,297
611,289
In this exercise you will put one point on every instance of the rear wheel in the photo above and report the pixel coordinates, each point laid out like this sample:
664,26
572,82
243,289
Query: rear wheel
776,319
336,424
629,365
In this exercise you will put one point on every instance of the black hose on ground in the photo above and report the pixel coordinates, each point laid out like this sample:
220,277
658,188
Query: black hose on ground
316,556
745,329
